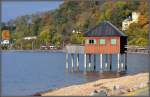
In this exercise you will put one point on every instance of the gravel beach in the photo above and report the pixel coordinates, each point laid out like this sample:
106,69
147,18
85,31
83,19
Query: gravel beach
124,84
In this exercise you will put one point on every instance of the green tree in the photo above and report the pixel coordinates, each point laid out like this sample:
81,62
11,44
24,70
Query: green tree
137,35
77,38
44,36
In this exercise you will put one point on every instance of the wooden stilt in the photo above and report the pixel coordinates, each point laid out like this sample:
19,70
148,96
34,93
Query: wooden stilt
122,63
106,66
66,60
89,61
94,62
118,68
77,61
110,60
72,62
106,62
122,66
101,62
85,62
125,61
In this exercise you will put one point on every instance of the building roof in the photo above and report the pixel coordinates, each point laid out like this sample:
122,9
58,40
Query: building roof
104,29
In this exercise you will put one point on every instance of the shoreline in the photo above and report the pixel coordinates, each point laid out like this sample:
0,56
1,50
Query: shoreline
32,50
62,50
127,84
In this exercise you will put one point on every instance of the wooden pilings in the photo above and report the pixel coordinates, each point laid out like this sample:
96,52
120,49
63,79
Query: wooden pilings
118,62
122,62
72,62
77,59
77,62
125,61
85,62
94,62
106,62
101,62
110,60
90,63
66,60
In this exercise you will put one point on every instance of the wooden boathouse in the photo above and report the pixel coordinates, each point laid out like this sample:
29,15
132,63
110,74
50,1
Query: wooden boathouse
105,40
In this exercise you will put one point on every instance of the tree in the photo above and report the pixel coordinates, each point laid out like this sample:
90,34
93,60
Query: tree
45,36
57,40
77,38
137,35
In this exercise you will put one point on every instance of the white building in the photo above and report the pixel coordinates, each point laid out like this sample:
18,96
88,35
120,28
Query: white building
134,19
135,16
5,42
29,38
74,31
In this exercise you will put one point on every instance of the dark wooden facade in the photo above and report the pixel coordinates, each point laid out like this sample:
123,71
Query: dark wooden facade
105,38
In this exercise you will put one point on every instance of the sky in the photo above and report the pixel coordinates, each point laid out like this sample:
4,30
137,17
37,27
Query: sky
12,9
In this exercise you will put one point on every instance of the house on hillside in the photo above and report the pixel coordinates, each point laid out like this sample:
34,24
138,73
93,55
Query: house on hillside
132,19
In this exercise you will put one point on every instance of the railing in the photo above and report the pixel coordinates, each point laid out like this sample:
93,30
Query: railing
75,48
130,49
136,49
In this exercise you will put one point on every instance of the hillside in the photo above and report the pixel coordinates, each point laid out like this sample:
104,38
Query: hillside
56,26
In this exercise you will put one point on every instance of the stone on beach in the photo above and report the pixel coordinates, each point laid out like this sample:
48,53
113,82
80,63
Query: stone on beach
101,92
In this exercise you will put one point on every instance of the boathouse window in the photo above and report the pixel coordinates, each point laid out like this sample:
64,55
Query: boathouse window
86,41
113,41
102,41
92,41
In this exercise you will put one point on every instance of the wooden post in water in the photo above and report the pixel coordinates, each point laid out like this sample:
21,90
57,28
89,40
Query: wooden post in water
77,61
106,62
122,63
85,62
89,62
94,62
72,61
101,63
126,61
66,60
118,68
110,60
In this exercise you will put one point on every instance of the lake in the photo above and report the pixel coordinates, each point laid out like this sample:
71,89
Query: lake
26,73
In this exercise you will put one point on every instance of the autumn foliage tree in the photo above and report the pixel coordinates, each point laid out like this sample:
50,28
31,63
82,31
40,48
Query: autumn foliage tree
56,26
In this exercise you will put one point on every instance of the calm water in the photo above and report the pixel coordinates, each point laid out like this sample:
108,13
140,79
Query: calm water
25,73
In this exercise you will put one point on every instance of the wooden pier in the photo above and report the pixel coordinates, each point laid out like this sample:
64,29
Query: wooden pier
104,40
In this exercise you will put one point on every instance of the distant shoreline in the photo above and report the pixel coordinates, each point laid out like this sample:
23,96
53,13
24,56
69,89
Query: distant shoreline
62,50
32,50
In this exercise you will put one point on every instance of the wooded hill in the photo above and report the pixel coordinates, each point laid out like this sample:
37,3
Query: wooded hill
56,26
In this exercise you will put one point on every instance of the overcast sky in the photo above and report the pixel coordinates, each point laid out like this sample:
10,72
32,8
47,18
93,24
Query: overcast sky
12,9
